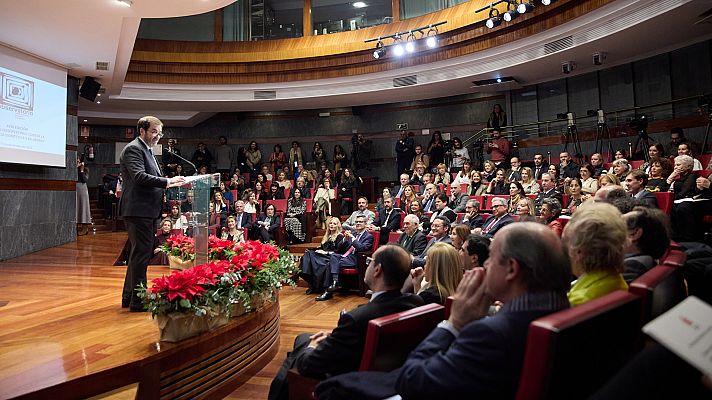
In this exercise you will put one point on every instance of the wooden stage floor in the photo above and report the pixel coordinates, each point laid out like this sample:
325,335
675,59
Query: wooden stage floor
60,319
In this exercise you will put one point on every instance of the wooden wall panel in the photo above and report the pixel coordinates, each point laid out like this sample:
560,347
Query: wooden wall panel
335,55
37,184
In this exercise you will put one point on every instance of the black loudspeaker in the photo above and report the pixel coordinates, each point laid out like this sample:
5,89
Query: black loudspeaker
90,88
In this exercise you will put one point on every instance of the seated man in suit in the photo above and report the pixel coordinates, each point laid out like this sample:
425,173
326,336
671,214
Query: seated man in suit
345,255
472,214
567,167
457,198
363,210
412,239
499,219
441,209
439,230
398,190
548,189
242,219
636,181
428,200
322,354
388,221
514,173
474,357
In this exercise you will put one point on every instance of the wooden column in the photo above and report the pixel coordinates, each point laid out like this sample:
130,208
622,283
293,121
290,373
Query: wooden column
218,25
307,19
395,10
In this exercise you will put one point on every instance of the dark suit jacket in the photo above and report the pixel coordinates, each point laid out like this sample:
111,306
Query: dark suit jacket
143,185
475,222
484,362
274,223
459,202
341,351
246,220
571,170
393,222
365,243
553,193
416,245
419,261
449,214
537,176
504,221
647,197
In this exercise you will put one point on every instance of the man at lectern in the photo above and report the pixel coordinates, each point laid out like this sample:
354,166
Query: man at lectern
140,203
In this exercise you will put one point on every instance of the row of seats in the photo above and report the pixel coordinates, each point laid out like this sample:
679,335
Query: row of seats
605,332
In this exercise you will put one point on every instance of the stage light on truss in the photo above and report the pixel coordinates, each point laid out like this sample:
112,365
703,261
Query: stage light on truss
380,51
524,8
398,49
495,19
432,39
510,15
410,43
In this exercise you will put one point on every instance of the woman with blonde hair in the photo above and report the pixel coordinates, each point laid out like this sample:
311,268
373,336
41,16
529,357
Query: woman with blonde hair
595,237
529,184
231,232
407,197
315,263
443,272
442,175
608,179
488,171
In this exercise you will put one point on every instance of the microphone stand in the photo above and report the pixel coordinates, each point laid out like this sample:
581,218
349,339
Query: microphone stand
184,159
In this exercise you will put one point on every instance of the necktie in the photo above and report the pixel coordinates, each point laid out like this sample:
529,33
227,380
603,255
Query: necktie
489,226
239,221
155,162
388,215
538,169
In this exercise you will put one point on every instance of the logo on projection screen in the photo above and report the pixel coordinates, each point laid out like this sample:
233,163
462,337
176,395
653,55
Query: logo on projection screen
17,92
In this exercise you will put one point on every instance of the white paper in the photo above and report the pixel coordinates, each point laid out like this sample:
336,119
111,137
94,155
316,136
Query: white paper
686,330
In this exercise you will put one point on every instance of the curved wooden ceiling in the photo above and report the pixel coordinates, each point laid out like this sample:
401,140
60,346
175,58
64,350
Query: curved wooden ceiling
335,55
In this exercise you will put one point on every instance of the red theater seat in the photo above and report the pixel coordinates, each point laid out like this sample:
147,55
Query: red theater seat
665,201
359,270
603,332
660,289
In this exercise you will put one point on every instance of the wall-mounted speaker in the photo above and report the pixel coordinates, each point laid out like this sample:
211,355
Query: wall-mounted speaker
90,88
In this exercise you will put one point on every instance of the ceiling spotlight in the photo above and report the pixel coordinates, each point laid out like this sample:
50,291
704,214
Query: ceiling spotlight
432,39
495,18
410,43
126,3
380,51
359,4
511,12
546,2
524,8
398,49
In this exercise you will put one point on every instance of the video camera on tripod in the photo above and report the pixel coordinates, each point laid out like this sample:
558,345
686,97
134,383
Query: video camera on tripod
640,125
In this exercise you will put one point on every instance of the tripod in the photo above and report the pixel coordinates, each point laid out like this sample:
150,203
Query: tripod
603,134
643,140
572,135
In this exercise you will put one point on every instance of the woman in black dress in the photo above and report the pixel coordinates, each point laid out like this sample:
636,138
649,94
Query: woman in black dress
315,263
436,149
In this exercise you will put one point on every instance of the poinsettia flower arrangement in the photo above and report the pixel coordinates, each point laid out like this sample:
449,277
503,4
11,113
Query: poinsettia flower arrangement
240,272
180,246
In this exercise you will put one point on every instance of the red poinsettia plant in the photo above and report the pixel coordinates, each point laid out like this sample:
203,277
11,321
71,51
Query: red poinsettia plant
249,269
179,246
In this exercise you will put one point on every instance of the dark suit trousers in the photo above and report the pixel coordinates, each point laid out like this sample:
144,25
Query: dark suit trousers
141,233
279,390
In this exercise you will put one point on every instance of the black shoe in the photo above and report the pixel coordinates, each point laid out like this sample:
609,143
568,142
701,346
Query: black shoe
325,296
334,287
309,291
125,303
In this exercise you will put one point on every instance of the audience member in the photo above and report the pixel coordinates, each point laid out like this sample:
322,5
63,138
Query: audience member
497,118
576,197
341,161
550,212
649,238
684,150
267,224
528,183
465,175
540,166
242,218
474,252
516,193
404,181
419,158
677,137
362,210
589,184
404,152
408,198
595,238
655,151
296,157
387,221
488,171
525,208
620,168
686,215
472,214
318,154
436,150
514,173
477,187
254,157
459,155
416,208
315,263
201,156
548,190
458,235
358,240
159,257
499,149
498,220
223,157
457,199
169,158
178,220
636,181
295,220
567,167
442,177
347,186
412,239
608,179
231,232
597,164
498,186
439,230
322,202
322,355
428,199
660,169
441,275
441,209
